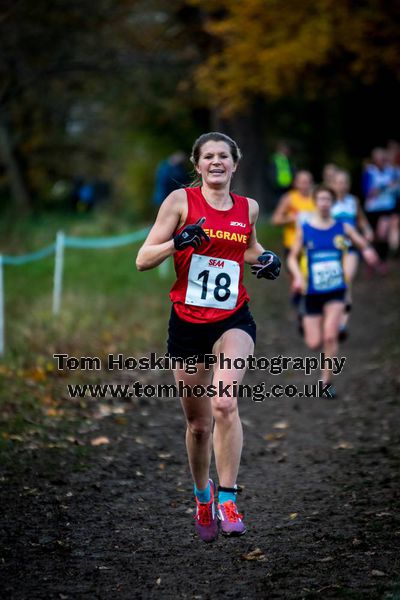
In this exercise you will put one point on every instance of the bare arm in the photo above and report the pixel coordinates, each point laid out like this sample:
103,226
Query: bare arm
254,249
363,224
159,244
357,239
369,254
293,261
282,214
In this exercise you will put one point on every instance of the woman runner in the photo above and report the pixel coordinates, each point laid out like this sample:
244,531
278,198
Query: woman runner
211,234
296,206
347,209
379,186
319,247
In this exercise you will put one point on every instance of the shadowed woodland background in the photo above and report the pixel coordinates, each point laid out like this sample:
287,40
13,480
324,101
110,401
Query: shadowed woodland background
110,88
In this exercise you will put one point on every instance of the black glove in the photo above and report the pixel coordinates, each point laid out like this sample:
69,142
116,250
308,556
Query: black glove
191,235
268,266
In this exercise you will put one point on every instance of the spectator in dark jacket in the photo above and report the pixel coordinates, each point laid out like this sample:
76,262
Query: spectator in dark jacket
171,174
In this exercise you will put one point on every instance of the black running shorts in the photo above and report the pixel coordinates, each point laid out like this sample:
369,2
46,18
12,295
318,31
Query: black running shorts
187,339
373,217
313,304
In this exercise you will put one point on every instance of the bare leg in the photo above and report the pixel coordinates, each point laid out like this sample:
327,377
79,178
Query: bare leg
350,264
333,314
382,241
313,331
394,233
198,415
228,432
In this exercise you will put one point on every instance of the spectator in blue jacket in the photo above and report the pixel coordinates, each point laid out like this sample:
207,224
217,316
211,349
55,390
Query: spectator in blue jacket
171,174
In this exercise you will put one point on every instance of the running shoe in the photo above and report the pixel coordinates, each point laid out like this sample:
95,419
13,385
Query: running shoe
343,333
206,518
230,520
331,391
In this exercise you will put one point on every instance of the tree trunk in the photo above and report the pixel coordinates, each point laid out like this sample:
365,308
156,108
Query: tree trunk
247,129
19,191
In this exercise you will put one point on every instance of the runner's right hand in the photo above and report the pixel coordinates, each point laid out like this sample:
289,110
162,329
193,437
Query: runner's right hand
191,235
298,285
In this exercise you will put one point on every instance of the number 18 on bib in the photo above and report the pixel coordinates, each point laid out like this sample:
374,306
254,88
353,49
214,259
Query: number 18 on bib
213,282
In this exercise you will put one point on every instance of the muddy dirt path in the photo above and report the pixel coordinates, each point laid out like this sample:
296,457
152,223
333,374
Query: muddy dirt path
320,478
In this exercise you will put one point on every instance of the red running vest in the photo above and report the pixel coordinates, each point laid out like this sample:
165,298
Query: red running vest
209,285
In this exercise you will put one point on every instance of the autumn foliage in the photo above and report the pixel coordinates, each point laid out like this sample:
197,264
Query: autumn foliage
273,48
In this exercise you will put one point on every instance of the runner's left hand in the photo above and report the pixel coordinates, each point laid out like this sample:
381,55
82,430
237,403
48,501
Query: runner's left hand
371,257
268,266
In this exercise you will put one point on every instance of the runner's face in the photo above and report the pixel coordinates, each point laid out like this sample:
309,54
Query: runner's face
328,174
324,203
215,164
341,184
379,158
303,183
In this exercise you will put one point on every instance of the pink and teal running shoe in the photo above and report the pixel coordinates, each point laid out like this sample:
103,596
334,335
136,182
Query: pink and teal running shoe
230,520
206,518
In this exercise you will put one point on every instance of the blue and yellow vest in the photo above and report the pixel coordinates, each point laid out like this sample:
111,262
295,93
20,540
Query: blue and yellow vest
323,253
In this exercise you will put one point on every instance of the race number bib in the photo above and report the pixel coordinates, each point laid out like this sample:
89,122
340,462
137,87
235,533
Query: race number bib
327,275
213,282
384,201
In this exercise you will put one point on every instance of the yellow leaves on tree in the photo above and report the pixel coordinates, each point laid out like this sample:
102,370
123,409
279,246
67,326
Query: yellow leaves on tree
273,48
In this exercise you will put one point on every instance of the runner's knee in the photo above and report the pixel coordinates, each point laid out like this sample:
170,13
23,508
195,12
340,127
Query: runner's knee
199,428
313,343
224,409
330,338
